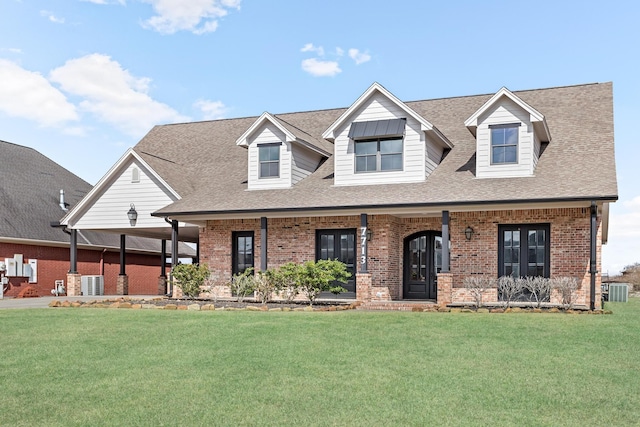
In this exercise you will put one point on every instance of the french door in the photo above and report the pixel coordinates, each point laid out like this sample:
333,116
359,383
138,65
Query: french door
422,263
340,245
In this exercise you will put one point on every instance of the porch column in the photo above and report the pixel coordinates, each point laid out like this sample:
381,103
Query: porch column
174,252
593,261
445,241
163,258
122,284
73,256
74,280
363,244
162,279
263,243
197,260
123,254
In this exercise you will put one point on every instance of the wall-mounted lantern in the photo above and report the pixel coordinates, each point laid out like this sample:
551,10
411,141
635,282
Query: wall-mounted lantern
132,215
468,232
369,234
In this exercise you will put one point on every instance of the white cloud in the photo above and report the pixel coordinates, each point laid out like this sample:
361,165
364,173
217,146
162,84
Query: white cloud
29,95
112,94
359,57
309,47
51,17
339,51
197,16
211,110
319,68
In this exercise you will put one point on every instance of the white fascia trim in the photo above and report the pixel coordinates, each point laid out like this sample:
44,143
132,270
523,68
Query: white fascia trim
425,125
534,115
243,141
99,188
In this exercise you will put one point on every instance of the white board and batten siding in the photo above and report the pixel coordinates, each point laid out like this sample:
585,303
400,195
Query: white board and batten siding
506,112
379,107
110,209
269,134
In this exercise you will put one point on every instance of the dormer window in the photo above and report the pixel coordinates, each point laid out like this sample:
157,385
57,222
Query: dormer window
269,158
504,143
377,155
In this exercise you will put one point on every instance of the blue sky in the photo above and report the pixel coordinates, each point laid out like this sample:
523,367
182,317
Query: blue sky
83,80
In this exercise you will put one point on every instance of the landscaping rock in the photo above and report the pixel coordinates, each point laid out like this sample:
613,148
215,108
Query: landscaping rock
496,310
125,305
554,310
466,310
55,303
194,307
182,307
275,309
136,306
456,310
207,307
65,304
170,307
482,310
76,304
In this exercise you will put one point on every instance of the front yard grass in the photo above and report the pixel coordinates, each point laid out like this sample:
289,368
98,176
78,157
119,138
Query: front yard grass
157,367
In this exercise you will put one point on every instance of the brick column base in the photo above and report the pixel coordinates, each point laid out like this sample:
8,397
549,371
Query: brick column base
122,285
74,284
445,284
363,287
162,285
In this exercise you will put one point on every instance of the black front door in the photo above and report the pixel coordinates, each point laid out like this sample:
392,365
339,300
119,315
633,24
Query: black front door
422,263
340,245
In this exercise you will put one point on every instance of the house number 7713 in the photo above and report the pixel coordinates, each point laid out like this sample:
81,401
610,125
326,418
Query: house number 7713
363,245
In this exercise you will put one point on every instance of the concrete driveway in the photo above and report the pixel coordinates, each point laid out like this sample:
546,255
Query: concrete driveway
43,302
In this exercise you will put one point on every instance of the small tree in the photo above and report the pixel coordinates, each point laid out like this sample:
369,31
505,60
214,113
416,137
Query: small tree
477,286
509,289
317,276
539,287
190,278
567,287
243,284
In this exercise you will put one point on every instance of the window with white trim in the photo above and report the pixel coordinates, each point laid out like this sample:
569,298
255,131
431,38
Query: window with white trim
504,143
269,160
379,154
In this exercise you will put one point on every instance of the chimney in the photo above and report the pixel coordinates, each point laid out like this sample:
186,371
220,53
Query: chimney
63,204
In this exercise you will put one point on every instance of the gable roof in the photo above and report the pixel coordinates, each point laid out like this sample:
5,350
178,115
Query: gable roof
535,116
425,125
30,193
207,152
292,134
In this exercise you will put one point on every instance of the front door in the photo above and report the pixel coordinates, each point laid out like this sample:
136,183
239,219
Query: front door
340,245
422,263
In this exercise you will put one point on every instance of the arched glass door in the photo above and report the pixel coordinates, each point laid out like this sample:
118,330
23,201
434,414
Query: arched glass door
422,263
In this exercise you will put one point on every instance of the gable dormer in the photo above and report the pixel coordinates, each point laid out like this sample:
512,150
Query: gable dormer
279,155
509,136
381,140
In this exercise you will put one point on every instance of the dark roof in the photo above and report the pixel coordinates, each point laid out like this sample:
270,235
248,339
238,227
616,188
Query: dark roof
203,164
30,185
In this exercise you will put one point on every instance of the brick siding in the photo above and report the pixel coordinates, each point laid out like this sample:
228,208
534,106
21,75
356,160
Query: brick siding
53,264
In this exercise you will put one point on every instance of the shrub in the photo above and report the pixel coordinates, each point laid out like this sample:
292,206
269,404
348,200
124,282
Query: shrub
286,280
509,289
539,287
265,285
243,284
317,276
477,286
567,287
190,278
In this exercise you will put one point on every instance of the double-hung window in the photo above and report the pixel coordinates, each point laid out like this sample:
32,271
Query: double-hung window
269,159
504,143
378,154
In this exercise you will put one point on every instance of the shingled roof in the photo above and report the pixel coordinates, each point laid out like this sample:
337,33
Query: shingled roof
203,164
30,185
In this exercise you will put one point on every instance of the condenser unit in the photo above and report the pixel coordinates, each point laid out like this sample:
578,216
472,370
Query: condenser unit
618,292
92,285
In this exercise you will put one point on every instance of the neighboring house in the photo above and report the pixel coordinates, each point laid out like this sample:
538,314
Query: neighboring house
34,192
412,196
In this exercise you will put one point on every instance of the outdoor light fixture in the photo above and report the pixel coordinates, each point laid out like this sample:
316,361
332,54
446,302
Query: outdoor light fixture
369,234
468,232
132,215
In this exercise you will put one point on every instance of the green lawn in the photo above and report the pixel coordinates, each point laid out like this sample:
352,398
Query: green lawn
157,367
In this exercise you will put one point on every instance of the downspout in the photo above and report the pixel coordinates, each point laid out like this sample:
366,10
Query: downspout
592,258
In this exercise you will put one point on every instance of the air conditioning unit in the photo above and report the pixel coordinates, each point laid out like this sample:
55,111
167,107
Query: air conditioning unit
618,292
92,285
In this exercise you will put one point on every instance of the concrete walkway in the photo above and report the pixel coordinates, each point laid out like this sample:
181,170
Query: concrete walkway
43,302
